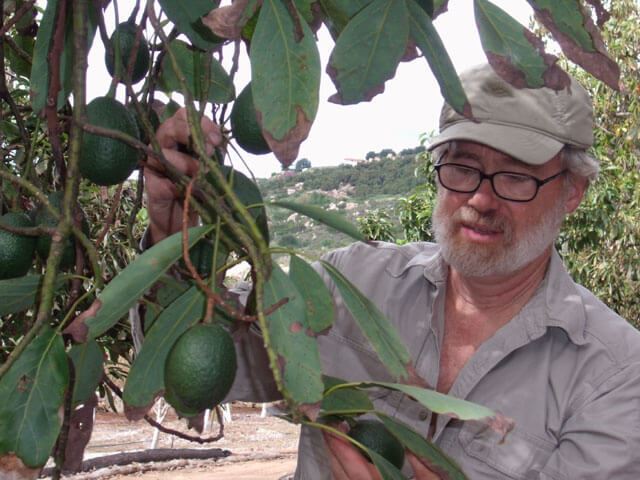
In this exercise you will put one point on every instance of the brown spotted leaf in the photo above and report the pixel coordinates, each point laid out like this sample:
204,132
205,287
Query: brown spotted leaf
578,36
368,51
285,76
228,21
124,290
290,339
374,325
514,52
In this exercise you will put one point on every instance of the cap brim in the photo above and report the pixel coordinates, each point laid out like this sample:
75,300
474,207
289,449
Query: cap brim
528,146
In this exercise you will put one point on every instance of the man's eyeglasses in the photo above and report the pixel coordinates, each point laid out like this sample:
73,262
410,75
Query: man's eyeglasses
515,187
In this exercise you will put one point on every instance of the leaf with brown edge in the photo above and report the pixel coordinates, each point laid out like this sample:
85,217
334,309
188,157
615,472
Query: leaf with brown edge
297,351
285,78
573,28
368,51
514,52
129,285
228,21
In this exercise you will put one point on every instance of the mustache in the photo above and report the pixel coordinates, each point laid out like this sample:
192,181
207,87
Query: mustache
489,221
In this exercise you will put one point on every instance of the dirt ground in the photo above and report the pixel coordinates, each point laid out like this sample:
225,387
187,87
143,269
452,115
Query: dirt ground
261,448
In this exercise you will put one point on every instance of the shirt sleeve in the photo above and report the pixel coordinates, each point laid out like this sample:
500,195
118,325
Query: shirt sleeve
601,439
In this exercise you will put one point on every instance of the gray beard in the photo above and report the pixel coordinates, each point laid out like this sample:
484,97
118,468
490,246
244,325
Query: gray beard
474,260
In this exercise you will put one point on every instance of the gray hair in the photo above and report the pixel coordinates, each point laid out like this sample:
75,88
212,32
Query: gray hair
580,163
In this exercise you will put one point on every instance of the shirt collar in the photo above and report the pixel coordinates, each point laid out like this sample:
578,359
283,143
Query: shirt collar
563,306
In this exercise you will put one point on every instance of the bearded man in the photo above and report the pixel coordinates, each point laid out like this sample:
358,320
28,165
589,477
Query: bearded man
489,313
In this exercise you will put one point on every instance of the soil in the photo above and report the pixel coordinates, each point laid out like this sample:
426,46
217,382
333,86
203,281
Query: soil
260,448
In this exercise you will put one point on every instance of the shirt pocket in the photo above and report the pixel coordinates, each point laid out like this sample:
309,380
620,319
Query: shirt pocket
519,455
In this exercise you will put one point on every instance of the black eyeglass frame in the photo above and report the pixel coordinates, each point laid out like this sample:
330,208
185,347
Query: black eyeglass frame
539,182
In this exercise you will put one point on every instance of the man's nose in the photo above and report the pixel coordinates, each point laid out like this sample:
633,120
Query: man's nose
484,198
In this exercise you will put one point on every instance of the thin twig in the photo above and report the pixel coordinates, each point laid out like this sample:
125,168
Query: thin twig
115,389
115,203
17,16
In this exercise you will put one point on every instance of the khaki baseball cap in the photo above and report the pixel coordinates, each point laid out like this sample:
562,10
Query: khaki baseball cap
529,124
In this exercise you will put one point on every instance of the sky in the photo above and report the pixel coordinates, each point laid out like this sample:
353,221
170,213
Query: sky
408,108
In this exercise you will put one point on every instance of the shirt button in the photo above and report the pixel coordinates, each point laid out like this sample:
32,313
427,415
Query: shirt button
423,415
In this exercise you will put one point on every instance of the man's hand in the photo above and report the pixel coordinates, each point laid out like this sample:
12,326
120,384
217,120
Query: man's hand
348,463
163,199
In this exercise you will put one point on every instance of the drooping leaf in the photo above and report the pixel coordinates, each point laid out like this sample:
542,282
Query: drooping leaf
339,12
316,295
285,78
31,393
446,405
428,40
216,86
329,218
344,401
18,294
573,28
40,68
187,18
290,338
436,459
514,52
368,51
375,326
87,361
129,285
146,377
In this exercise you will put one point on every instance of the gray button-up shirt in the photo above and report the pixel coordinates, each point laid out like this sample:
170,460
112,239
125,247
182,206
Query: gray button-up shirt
566,369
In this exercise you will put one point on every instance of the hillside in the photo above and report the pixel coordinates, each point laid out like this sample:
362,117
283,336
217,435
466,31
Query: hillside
352,190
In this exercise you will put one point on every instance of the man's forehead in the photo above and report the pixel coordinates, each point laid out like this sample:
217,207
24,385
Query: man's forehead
484,154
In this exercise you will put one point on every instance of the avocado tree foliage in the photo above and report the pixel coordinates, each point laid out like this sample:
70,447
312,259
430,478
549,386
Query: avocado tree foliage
57,324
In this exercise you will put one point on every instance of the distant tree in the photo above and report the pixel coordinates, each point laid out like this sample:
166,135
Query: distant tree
302,164
370,155
386,152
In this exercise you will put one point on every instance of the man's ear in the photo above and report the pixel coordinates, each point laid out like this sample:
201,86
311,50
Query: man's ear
577,186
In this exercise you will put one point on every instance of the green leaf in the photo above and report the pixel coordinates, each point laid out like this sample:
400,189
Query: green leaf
439,462
368,51
187,18
40,66
387,470
249,195
146,377
331,219
18,294
217,87
87,361
306,9
427,39
504,37
569,20
339,12
130,284
291,340
343,401
375,326
438,402
316,295
285,78
31,394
